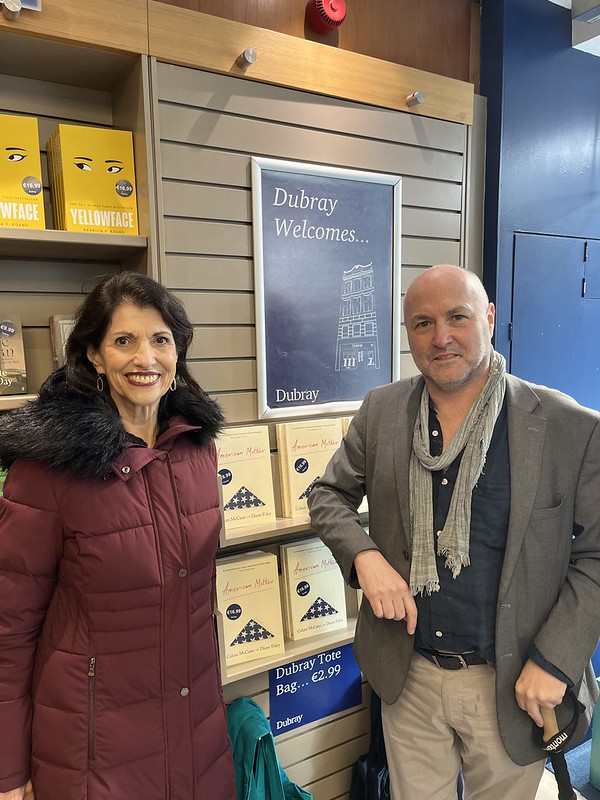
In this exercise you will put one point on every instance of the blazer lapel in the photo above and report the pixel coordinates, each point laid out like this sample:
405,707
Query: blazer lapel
526,435
404,425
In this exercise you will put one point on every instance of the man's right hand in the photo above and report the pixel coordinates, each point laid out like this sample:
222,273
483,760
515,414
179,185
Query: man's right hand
22,793
387,592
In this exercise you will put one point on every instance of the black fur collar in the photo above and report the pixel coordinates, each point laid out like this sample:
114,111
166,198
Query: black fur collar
80,433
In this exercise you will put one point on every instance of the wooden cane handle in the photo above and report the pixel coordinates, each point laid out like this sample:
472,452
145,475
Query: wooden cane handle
550,723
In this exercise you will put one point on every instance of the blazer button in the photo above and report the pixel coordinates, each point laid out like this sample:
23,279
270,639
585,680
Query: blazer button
406,554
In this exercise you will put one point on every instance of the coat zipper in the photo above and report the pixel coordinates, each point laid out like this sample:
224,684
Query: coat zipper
92,709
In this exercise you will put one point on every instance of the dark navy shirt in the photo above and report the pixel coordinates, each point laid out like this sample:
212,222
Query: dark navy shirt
461,617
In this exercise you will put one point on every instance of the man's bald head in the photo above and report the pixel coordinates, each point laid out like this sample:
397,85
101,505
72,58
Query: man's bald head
442,274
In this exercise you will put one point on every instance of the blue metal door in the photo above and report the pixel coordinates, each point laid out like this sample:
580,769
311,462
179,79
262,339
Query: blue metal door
555,319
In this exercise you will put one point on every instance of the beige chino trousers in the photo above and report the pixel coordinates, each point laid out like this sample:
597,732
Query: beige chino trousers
445,721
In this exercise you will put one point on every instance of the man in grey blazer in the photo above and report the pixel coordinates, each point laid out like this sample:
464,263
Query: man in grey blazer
481,569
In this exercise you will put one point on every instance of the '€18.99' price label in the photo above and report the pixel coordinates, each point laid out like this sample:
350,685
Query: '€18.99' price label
313,687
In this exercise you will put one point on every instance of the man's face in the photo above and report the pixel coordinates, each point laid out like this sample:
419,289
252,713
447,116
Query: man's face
449,324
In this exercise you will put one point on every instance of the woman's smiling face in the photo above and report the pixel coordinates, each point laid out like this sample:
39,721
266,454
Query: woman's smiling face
138,358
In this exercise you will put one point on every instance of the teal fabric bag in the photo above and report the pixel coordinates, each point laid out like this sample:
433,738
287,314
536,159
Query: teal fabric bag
258,774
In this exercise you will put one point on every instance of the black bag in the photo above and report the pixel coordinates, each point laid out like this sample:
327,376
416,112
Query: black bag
370,775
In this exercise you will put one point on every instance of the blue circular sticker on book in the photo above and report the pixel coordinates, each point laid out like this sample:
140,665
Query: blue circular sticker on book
303,588
301,465
226,476
7,328
234,611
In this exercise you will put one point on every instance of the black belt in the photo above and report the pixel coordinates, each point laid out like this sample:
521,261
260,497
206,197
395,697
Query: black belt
452,660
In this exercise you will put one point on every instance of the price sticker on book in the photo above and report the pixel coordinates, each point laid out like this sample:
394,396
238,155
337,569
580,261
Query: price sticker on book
312,688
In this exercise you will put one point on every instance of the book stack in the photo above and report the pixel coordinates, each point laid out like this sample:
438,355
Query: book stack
21,195
61,326
249,601
92,179
13,374
304,449
313,590
244,460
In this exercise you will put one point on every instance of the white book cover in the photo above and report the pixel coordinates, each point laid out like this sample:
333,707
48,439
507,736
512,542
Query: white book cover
247,595
315,592
304,448
244,464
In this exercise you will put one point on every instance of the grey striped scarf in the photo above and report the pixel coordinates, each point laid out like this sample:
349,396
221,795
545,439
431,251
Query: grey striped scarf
474,437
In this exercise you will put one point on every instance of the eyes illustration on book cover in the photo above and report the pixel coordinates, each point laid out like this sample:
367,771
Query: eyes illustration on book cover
14,170
103,171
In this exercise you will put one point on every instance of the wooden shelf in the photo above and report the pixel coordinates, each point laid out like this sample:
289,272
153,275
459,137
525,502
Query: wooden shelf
293,652
9,401
268,530
69,246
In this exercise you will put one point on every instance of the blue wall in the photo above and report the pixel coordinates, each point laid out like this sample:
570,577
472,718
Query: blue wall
543,146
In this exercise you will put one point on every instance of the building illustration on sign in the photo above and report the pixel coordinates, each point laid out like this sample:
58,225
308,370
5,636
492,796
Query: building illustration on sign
357,339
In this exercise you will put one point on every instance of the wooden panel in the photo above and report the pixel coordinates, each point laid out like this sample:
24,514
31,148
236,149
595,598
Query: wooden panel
426,252
197,236
178,36
432,36
223,342
112,24
263,101
436,224
336,785
54,101
320,765
209,272
291,750
38,356
408,275
35,309
224,376
207,128
50,276
218,308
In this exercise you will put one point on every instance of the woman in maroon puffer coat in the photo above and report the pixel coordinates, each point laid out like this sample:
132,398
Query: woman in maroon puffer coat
109,678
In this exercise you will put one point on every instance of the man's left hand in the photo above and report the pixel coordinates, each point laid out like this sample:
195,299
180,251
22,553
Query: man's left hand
535,688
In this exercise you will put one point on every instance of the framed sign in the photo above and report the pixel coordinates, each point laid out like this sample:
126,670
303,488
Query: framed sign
327,286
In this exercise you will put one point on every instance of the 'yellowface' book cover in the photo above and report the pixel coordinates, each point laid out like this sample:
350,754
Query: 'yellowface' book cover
314,594
244,459
248,600
13,375
304,448
93,179
21,195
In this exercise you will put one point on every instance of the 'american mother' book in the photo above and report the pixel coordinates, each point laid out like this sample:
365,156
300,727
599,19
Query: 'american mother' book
304,449
248,600
314,593
244,459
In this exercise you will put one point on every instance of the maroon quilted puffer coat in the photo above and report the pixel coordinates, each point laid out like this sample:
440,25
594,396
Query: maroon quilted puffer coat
109,679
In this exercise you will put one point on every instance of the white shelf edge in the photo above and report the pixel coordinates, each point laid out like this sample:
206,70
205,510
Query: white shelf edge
267,530
10,401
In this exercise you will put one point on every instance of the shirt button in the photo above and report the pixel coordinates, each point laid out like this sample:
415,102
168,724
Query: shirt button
439,634
182,573
184,692
444,481
435,433
125,470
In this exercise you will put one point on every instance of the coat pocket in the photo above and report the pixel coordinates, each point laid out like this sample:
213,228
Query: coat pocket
92,709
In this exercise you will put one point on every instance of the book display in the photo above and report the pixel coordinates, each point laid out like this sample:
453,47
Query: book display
249,602
313,589
13,374
244,462
21,196
61,326
305,447
92,179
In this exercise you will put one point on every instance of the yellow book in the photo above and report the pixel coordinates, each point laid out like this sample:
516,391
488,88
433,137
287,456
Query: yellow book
314,593
21,191
244,459
249,603
93,185
13,374
304,448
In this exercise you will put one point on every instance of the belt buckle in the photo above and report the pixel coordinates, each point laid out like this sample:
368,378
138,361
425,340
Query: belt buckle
458,656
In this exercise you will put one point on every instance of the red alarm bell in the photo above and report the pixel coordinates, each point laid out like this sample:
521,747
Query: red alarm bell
325,16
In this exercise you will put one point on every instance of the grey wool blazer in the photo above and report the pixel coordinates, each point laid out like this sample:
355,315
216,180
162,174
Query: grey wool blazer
550,584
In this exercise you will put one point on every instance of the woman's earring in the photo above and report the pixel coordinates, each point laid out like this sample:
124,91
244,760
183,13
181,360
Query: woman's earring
173,386
99,383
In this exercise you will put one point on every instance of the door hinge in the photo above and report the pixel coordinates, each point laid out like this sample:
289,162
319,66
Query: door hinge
583,286
510,331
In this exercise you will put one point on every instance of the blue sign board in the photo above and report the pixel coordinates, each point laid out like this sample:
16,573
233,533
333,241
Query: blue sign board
312,688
